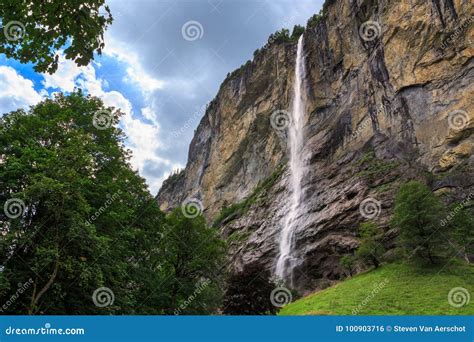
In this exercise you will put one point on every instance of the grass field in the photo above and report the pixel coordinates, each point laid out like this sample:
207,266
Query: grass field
394,289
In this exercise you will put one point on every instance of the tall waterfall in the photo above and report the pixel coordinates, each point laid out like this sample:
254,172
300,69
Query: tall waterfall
286,261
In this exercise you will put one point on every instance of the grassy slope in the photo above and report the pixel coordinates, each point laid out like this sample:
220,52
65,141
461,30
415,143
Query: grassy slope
410,290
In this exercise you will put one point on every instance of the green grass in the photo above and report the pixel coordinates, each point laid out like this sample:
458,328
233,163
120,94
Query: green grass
408,290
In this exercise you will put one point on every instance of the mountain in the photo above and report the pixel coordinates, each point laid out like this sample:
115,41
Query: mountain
387,91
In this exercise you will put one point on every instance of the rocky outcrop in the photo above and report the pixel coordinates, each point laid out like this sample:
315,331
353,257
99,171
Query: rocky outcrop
390,87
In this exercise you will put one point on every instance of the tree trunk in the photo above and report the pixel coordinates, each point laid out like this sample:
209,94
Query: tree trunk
36,298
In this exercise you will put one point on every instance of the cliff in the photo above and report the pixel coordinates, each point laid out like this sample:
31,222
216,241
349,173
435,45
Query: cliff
388,98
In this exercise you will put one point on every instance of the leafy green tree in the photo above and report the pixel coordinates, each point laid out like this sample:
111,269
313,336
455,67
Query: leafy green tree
193,256
86,218
78,219
462,224
370,249
418,214
348,262
35,31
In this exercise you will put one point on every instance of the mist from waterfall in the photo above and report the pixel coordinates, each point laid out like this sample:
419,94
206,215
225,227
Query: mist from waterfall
286,261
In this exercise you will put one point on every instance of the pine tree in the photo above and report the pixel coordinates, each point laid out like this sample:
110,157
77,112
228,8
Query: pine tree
418,214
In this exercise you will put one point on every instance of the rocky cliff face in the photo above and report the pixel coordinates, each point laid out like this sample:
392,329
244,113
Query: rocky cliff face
389,98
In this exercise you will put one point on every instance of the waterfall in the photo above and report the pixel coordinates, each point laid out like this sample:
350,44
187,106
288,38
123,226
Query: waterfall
286,261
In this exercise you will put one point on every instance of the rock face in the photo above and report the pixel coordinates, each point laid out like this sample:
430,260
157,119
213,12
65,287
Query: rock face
389,98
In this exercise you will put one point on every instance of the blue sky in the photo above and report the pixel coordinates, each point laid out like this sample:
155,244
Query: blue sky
163,61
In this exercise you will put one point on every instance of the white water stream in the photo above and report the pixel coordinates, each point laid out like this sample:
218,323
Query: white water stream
286,261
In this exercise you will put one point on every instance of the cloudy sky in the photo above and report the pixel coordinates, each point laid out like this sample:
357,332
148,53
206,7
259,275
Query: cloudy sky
163,61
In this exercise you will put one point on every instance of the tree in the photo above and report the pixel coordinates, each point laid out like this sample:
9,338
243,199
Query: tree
249,292
35,31
347,262
296,33
282,36
193,256
462,224
370,249
418,214
80,227
75,215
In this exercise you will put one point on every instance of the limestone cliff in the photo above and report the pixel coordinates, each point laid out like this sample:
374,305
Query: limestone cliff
385,103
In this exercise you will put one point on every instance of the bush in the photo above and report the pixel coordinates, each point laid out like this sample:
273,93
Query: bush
347,262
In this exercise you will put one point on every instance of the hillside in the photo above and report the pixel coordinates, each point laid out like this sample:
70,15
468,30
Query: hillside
398,289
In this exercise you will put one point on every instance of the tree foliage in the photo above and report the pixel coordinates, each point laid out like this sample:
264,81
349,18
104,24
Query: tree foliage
296,33
193,255
348,262
462,225
249,292
35,31
87,221
370,248
418,214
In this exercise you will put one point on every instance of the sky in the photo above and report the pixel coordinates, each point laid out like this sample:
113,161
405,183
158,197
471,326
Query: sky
163,62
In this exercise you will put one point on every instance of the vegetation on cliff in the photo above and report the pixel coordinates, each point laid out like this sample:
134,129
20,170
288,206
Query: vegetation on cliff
238,209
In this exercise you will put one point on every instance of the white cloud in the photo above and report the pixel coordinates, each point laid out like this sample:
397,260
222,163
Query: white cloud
65,77
149,114
142,138
135,72
15,91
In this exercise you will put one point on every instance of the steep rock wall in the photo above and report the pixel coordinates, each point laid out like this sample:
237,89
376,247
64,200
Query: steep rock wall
378,113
